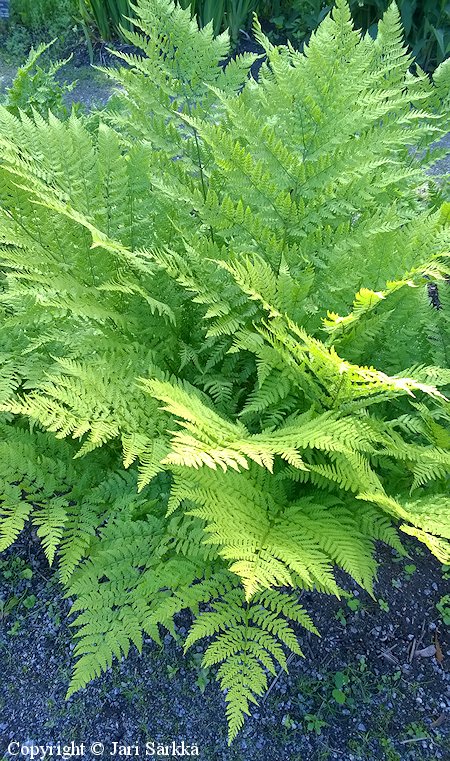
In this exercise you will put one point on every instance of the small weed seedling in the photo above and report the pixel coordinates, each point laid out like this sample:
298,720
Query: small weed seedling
417,731
14,569
354,604
172,671
443,606
340,681
314,724
288,722
340,616
203,674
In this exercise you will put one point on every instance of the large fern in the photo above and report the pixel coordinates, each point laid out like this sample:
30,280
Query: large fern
223,374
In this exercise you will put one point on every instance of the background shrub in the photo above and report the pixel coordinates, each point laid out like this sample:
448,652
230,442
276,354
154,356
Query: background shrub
426,22
231,14
107,15
35,21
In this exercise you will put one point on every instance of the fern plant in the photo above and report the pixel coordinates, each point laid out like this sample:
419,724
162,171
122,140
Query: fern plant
223,375
36,88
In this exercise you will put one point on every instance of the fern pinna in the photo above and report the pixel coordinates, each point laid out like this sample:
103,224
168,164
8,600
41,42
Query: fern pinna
222,372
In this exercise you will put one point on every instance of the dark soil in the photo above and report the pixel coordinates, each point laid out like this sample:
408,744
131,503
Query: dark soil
386,656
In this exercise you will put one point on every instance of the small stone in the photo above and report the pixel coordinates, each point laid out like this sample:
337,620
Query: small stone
361,727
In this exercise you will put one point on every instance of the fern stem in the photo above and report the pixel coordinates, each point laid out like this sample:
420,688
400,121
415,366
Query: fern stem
199,156
335,400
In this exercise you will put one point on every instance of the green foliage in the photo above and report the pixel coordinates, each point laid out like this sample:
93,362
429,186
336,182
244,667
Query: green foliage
443,606
109,16
426,22
313,723
293,19
198,413
32,21
36,14
224,14
36,88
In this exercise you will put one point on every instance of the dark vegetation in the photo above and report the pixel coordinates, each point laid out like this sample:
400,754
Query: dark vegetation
80,25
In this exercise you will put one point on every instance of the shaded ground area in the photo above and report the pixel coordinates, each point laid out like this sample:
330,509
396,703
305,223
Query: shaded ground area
375,687
93,88
443,165
7,72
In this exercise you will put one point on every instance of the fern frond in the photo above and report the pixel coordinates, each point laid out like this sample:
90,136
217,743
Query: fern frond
249,640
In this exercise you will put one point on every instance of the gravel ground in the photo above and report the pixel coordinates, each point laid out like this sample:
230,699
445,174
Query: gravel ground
92,89
390,658
7,72
443,165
